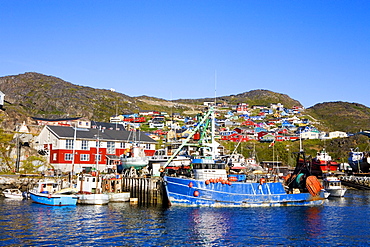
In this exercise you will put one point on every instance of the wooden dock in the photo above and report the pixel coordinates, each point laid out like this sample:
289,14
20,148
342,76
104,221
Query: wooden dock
144,191
148,191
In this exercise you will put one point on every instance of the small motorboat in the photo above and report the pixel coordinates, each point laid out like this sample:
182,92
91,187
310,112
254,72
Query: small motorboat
13,193
333,185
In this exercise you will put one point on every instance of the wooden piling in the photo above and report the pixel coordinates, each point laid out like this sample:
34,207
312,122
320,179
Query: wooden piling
148,191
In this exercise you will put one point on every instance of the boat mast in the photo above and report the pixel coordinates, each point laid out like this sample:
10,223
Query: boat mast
213,135
200,124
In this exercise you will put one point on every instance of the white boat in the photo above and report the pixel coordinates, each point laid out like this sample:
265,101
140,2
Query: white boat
135,157
112,186
333,185
90,190
324,193
92,199
177,163
119,196
13,193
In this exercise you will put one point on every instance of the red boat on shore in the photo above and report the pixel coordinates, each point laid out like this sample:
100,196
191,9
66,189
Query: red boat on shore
323,163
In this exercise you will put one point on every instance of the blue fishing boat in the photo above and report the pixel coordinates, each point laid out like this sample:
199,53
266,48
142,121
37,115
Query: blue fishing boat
48,193
210,184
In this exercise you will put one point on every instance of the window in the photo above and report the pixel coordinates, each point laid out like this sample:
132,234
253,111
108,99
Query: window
68,157
85,145
84,157
98,156
69,144
111,148
122,145
147,146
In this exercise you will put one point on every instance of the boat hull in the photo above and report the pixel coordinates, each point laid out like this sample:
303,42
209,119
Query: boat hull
13,194
93,199
53,199
191,192
119,197
337,192
137,163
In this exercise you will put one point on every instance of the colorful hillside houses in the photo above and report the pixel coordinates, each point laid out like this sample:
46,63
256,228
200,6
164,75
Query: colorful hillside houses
287,124
266,137
226,132
236,137
248,123
308,132
257,118
242,108
259,129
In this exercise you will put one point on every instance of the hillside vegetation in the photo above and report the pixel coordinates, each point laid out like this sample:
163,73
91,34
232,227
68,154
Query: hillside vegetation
254,97
343,116
37,95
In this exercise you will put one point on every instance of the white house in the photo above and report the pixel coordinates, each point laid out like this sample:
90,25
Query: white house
310,135
2,96
79,149
334,134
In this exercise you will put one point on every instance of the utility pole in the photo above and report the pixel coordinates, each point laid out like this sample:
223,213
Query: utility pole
19,146
74,150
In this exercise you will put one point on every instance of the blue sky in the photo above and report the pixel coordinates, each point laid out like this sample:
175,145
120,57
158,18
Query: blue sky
313,51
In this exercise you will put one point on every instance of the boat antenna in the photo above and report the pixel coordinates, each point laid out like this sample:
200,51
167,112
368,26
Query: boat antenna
215,87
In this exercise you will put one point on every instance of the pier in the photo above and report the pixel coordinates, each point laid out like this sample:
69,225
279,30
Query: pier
148,191
357,182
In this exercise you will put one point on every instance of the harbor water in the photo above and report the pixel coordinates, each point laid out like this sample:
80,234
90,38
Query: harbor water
339,222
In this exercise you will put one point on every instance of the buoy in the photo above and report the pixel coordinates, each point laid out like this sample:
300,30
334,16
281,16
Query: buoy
223,181
190,185
207,182
49,196
262,181
196,193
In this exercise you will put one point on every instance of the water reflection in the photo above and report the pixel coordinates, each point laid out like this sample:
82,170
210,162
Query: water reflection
210,225
339,221
313,221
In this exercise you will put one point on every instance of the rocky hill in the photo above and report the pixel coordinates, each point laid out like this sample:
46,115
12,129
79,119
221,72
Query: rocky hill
37,95
254,97
343,116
